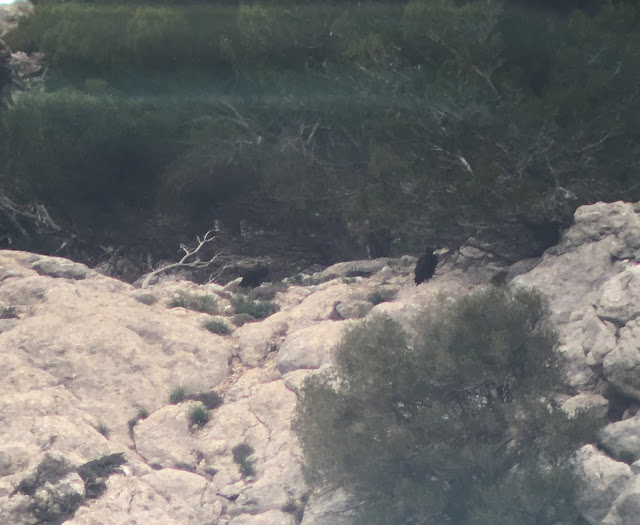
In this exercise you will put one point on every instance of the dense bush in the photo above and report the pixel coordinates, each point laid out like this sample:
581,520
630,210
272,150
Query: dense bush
458,426
326,122
218,326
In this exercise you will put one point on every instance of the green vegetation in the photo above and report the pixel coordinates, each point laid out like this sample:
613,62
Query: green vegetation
243,456
207,304
381,296
103,429
218,326
256,309
457,426
177,395
488,112
198,416
9,312
143,413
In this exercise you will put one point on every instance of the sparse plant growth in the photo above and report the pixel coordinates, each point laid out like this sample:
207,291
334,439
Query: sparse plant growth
381,296
9,312
242,455
198,416
256,309
207,304
103,429
210,400
142,413
177,395
218,326
457,425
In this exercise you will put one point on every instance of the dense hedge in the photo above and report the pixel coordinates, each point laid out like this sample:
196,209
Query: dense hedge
332,121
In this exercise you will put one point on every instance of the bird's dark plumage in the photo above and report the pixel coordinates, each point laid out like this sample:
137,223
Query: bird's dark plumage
426,266
252,277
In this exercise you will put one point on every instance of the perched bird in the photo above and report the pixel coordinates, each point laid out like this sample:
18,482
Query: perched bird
252,277
426,265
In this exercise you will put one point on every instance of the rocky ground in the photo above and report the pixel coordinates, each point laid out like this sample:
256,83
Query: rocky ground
90,366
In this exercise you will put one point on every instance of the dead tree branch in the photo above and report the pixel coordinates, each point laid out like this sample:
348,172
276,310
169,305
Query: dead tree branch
185,262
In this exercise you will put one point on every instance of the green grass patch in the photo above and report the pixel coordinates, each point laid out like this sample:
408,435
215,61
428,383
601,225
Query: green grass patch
207,304
256,309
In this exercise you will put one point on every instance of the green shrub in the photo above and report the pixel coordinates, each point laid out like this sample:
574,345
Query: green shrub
217,326
458,425
207,304
103,429
143,413
242,455
381,296
257,309
177,395
9,312
198,416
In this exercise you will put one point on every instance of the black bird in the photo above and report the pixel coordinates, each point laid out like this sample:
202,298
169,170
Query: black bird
252,277
426,266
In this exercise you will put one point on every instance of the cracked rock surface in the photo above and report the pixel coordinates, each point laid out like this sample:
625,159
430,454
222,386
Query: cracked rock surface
88,365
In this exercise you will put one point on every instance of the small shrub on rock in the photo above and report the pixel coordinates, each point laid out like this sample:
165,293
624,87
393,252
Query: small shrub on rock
217,326
242,455
210,400
256,309
9,312
103,429
456,425
207,304
177,395
143,413
198,416
381,296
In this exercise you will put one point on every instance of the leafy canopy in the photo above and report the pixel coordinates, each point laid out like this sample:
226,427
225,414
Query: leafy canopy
456,425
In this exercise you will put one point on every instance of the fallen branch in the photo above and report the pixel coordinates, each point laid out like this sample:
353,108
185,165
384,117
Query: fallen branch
184,263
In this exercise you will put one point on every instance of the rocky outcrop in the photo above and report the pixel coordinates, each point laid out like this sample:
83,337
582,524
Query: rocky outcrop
92,368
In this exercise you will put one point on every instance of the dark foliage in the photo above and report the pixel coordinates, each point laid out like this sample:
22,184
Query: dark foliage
242,455
468,116
457,426
95,472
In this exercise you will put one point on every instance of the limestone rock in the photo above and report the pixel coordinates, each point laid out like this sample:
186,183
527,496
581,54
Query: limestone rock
309,347
622,439
605,479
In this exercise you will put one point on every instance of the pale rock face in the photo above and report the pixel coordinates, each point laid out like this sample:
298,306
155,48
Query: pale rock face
87,352
606,479
626,507
309,347
622,438
594,404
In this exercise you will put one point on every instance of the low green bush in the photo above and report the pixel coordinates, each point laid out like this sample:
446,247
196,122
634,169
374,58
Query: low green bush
9,312
177,395
381,296
217,326
103,429
242,455
207,304
143,413
458,424
198,416
257,309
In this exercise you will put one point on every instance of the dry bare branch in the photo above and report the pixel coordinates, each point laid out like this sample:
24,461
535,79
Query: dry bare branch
185,262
